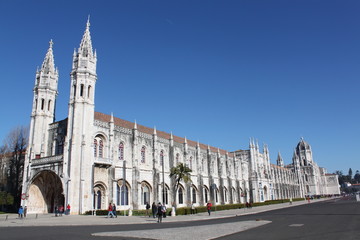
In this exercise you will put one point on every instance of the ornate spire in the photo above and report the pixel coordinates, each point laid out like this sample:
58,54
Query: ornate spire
85,48
135,125
279,160
154,131
48,65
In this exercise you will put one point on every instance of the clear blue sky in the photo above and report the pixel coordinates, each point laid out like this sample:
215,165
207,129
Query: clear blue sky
214,71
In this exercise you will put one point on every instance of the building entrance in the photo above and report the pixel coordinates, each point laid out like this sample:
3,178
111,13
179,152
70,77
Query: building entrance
45,193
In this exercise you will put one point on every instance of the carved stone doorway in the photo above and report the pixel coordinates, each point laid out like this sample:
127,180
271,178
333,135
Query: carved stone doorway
45,193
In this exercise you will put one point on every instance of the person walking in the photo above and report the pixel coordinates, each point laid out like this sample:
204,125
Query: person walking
160,212
56,211
208,206
147,212
154,209
21,212
110,211
164,210
193,208
61,210
25,211
114,210
68,209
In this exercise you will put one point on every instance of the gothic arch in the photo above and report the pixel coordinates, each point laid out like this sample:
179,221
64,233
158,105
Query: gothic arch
206,194
100,190
146,191
181,195
164,197
123,193
45,192
195,196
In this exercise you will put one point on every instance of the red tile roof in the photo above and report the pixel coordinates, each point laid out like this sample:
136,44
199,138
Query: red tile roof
130,125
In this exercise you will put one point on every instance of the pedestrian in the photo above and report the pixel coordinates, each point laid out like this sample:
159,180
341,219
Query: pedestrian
147,212
154,209
160,212
114,210
61,210
290,200
164,210
68,209
110,211
25,211
193,208
56,211
208,206
21,212
247,205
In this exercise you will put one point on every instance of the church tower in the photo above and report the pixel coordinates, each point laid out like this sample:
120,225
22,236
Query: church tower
78,163
304,152
43,108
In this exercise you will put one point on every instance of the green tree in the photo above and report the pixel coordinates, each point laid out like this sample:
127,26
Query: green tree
180,173
16,143
357,176
350,174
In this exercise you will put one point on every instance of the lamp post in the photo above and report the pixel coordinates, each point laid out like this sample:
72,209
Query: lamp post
124,186
163,180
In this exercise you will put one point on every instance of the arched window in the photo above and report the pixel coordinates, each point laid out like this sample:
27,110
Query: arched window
193,195
98,199
74,90
143,154
101,148
121,151
81,90
165,196
161,157
216,195
89,92
42,103
145,192
59,147
225,194
122,195
206,194
95,147
181,196
49,105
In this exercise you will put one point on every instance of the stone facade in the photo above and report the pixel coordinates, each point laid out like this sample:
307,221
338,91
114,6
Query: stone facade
90,159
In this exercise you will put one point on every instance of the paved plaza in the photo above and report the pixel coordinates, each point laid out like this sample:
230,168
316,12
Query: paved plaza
12,220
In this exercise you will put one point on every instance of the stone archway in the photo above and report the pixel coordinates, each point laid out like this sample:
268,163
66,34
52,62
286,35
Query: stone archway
265,193
45,193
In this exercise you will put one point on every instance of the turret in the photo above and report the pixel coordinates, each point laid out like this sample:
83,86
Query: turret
279,160
80,124
43,110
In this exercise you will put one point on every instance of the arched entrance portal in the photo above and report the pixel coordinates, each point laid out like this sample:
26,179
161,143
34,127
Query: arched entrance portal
265,193
45,193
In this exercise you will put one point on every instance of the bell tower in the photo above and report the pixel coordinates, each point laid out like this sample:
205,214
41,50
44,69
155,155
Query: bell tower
43,108
78,162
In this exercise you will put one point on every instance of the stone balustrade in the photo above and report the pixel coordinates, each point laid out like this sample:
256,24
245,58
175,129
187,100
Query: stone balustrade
47,160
